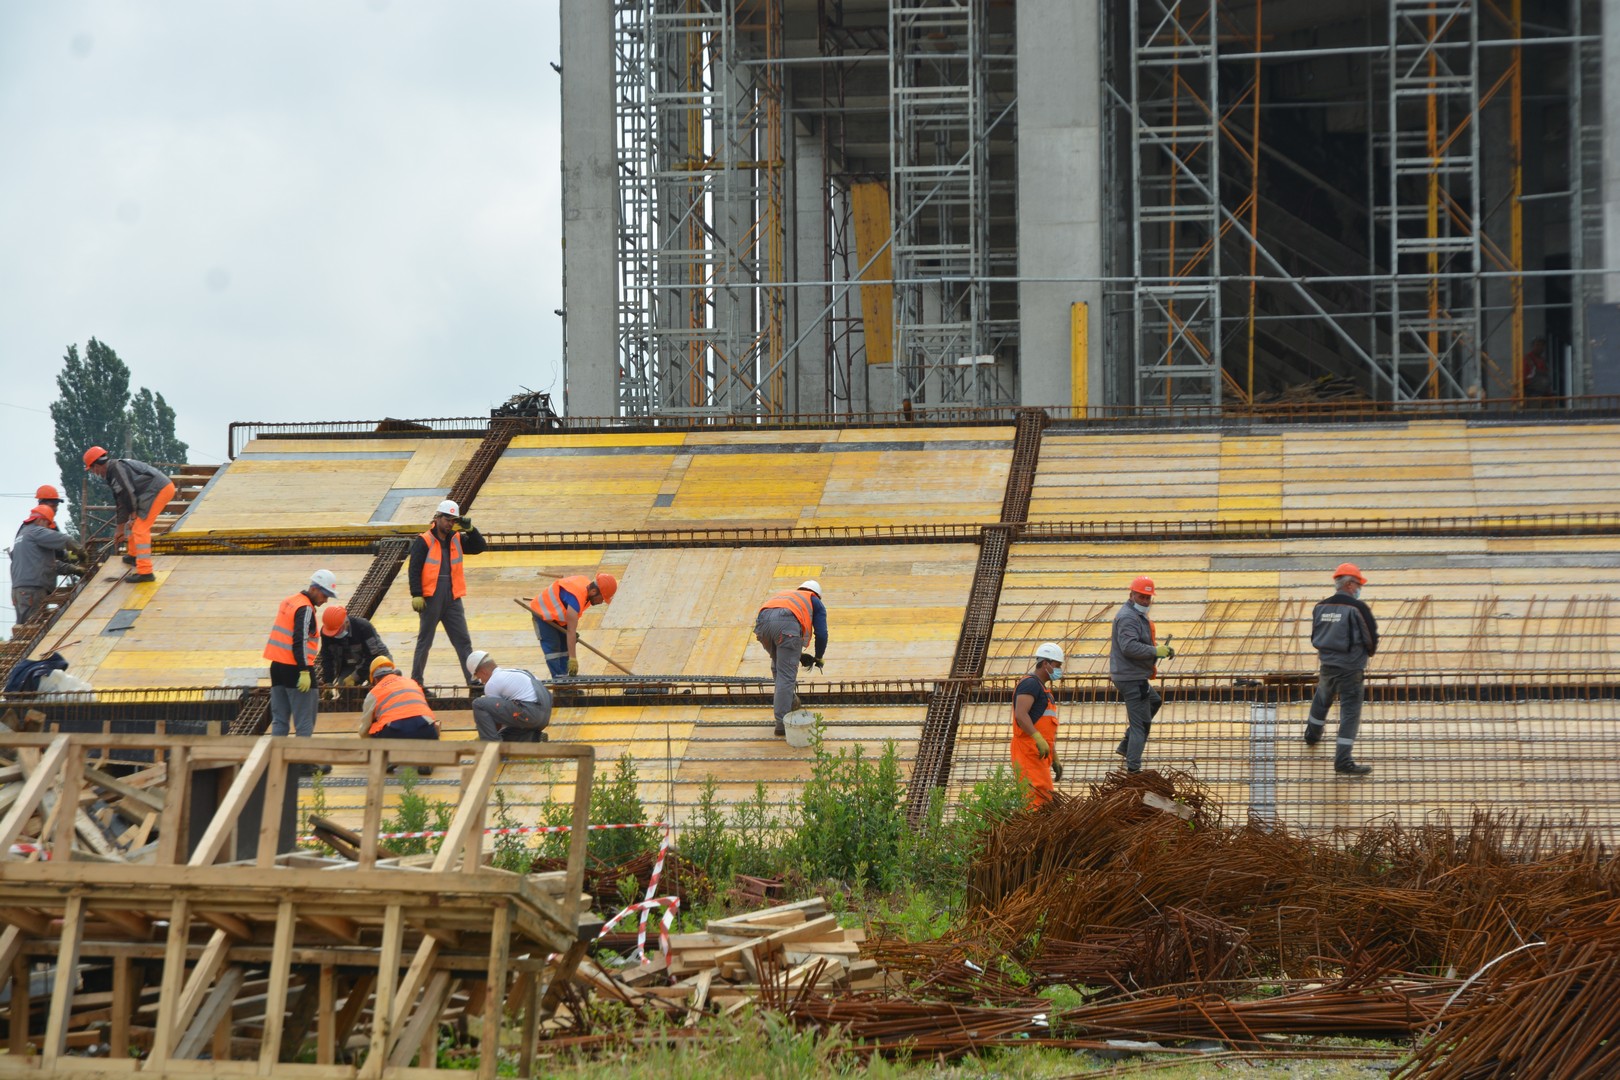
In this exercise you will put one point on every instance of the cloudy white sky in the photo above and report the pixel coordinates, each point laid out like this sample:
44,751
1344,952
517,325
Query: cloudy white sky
276,210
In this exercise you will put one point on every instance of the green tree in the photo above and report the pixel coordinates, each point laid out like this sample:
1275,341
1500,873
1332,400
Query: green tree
151,430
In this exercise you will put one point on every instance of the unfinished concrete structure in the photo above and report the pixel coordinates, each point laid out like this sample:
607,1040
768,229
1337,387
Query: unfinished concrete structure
840,206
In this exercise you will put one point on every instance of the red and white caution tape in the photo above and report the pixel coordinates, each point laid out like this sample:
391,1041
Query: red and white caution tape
670,904
514,831
30,849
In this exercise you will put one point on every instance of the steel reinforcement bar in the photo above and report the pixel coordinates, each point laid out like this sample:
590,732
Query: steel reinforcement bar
1026,458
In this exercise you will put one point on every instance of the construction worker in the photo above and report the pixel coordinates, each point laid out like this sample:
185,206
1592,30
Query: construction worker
396,707
1345,634
293,649
1035,721
40,554
438,584
783,626
556,614
1132,661
349,645
516,706
140,491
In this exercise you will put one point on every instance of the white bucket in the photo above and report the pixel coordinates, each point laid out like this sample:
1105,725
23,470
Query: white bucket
799,724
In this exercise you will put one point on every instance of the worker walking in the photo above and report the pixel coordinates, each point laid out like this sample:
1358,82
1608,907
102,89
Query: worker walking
40,554
516,706
1132,661
783,626
1035,722
1345,634
348,646
293,649
396,707
556,614
140,492
438,583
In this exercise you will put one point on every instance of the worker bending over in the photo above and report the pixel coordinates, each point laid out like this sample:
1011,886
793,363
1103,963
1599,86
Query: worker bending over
783,626
438,583
40,554
293,649
396,707
1344,634
556,614
1035,722
140,491
516,706
1132,661
348,646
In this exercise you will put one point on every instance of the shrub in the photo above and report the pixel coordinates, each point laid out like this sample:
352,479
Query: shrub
416,813
852,820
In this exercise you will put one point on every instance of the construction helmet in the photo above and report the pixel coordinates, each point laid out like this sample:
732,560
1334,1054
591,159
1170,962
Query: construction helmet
93,455
1050,651
475,660
46,493
332,620
48,513
449,507
608,586
381,663
1349,570
325,581
813,585
1143,585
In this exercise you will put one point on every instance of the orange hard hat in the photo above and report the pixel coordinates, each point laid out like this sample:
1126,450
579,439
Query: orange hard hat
1143,585
1349,570
93,455
46,493
42,511
332,620
608,585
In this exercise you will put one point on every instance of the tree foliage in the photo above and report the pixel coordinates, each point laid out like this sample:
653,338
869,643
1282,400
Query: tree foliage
151,430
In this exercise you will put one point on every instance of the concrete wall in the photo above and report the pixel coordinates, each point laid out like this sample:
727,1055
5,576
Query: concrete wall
1610,191
1059,191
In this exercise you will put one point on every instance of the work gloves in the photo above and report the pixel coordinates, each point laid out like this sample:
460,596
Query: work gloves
806,660
1057,769
1164,652
462,524
72,555
349,680
573,665
418,603
1041,747
331,693
305,681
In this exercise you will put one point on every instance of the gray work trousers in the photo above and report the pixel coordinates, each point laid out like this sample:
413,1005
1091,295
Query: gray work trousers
1346,684
440,607
26,601
1142,704
504,720
287,703
778,630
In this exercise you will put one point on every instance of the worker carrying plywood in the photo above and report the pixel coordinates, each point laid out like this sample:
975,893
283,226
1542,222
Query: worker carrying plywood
556,614
438,583
1344,634
396,707
1035,723
783,626
140,492
293,650
40,554
1133,659
516,706
348,646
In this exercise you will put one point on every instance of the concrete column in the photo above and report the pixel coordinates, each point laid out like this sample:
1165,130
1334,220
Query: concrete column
590,210
1060,198
1610,191
807,214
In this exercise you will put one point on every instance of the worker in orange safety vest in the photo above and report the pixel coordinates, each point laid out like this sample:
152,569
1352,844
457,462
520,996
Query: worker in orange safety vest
293,650
438,583
396,707
141,491
1035,723
783,626
556,614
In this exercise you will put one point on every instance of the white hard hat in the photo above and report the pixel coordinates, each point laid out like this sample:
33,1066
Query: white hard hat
475,660
326,581
813,585
1050,651
449,507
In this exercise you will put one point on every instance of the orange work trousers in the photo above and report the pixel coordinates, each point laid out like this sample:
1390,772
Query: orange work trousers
1028,763
140,531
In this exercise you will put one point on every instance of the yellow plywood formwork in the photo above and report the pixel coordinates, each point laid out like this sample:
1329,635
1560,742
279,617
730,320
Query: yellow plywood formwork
893,610
308,485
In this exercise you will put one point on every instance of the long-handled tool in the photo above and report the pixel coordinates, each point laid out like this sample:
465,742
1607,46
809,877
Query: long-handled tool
85,615
585,643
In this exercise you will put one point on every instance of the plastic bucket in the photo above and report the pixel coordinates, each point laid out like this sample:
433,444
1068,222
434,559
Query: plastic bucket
799,724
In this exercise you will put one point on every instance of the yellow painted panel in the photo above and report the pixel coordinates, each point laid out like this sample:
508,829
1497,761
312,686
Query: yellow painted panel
869,204
628,438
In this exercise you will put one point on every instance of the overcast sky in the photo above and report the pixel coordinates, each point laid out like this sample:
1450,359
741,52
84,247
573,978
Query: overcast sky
276,210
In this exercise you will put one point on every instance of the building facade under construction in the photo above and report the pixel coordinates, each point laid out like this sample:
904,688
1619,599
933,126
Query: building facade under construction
778,207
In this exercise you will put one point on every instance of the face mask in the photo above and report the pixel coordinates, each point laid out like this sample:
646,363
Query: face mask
1139,607
1057,673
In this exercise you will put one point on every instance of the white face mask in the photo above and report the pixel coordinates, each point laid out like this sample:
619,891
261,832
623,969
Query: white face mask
1139,607
1057,673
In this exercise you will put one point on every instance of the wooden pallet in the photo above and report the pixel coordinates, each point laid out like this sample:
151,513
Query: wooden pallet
253,957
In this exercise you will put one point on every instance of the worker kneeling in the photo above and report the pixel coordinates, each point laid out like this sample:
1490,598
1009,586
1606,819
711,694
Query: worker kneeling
516,706
1035,722
396,708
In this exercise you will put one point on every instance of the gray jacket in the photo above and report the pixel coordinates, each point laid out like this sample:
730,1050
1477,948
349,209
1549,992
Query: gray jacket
1344,632
33,557
135,485
1132,654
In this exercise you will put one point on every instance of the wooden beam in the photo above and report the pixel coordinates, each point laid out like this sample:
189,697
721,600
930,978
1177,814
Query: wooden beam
299,1018
471,809
326,1026
416,977
410,1036
34,922
275,793
152,800
127,978
67,804
382,1019
353,1003
208,968
275,997
376,777
500,945
11,943
212,1013
33,792
22,1006
173,822
174,974
230,807
67,981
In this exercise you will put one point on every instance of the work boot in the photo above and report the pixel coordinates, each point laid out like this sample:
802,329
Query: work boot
780,730
1352,769
1313,733
137,579
129,560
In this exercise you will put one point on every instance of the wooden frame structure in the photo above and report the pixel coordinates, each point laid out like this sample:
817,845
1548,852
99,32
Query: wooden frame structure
155,944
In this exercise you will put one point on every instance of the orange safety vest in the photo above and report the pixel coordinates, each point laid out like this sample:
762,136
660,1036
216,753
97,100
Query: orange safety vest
797,601
549,606
1026,761
398,698
430,567
279,647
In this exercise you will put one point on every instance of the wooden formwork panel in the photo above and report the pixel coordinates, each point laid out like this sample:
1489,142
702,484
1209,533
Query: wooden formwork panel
555,483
